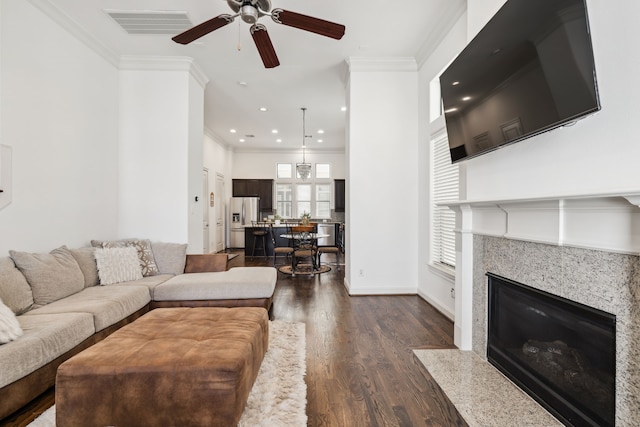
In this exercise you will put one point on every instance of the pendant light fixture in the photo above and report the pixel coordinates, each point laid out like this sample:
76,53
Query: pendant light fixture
303,169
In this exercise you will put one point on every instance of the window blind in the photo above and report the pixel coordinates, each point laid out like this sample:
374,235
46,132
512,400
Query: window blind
445,182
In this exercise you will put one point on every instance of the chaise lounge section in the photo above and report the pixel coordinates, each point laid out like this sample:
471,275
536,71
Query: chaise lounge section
63,307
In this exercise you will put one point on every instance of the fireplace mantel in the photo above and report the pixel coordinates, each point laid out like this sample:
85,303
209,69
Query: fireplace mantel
608,222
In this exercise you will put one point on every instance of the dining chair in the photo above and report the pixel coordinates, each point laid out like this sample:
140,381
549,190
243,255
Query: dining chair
284,250
304,247
259,233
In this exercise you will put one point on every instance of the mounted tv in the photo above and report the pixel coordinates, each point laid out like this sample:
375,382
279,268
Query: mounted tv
529,70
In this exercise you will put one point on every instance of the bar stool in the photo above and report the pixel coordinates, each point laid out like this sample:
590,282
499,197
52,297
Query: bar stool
259,233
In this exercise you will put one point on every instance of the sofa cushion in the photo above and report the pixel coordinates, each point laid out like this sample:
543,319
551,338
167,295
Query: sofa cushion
14,288
86,259
52,276
45,338
236,283
9,327
117,265
107,304
170,257
143,250
150,282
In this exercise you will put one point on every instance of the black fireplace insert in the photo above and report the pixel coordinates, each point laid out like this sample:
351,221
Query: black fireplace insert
560,352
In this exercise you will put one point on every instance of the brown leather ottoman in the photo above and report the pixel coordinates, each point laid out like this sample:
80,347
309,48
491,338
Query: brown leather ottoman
171,367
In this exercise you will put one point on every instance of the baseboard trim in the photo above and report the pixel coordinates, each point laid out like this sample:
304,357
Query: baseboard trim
441,308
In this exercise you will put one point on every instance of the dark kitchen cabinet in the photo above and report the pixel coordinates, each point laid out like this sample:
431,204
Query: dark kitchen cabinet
340,191
266,195
262,188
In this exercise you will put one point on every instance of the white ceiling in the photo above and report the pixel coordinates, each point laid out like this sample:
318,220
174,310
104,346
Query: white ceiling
313,68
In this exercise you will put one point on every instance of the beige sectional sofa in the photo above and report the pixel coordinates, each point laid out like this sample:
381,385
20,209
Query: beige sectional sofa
62,307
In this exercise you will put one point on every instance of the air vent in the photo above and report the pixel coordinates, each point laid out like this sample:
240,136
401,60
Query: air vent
151,21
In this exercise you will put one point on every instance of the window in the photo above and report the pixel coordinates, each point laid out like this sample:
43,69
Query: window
284,200
284,170
303,199
444,178
323,170
295,196
323,200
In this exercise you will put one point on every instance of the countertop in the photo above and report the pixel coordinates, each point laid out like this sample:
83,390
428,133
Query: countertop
283,225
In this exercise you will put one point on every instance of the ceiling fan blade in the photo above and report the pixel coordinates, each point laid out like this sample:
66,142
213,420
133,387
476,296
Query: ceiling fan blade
308,23
203,29
264,45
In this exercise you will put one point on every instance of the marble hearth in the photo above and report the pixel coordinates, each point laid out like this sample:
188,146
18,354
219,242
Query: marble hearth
582,248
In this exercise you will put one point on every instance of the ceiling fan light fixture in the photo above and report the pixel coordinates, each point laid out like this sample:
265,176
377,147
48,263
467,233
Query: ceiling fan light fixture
249,14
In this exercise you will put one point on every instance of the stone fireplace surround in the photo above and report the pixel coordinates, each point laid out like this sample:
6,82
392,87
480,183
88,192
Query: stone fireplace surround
581,248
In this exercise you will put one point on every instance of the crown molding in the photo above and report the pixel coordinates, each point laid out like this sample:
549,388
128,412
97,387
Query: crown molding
77,31
163,63
295,151
388,64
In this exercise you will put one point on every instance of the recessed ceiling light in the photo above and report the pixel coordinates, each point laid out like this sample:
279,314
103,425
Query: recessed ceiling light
232,130
242,140
278,140
243,84
320,131
263,109
466,98
343,109
274,131
320,141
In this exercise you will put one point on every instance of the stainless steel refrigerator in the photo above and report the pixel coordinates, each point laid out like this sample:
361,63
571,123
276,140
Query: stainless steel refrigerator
242,210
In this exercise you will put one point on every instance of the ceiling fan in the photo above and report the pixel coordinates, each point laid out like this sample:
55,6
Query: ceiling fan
252,10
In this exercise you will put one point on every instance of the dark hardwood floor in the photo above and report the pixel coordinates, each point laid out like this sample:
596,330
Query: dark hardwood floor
360,367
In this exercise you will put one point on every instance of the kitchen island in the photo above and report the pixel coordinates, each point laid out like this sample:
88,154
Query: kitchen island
330,227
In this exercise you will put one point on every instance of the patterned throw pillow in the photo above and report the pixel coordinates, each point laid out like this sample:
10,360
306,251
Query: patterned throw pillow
9,327
143,247
116,265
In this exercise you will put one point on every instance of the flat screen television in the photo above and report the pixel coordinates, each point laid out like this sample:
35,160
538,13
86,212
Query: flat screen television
529,70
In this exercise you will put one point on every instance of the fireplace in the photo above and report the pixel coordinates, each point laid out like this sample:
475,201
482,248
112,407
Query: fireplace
561,352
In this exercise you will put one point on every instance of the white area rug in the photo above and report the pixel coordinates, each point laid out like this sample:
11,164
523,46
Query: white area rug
279,395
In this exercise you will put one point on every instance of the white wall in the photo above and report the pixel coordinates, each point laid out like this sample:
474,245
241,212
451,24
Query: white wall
434,285
382,160
597,155
161,137
262,164
63,130
217,159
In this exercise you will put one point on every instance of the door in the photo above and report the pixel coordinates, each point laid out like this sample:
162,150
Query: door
217,201
205,212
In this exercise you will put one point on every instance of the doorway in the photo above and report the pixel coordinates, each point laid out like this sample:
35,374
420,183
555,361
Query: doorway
219,212
205,212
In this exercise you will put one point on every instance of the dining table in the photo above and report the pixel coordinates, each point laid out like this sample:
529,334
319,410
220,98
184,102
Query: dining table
313,236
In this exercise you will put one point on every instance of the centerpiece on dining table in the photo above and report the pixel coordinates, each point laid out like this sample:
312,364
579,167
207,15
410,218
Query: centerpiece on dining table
305,221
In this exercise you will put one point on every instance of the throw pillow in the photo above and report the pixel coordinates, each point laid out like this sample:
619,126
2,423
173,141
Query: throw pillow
14,288
52,276
85,257
145,254
9,327
116,265
170,257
